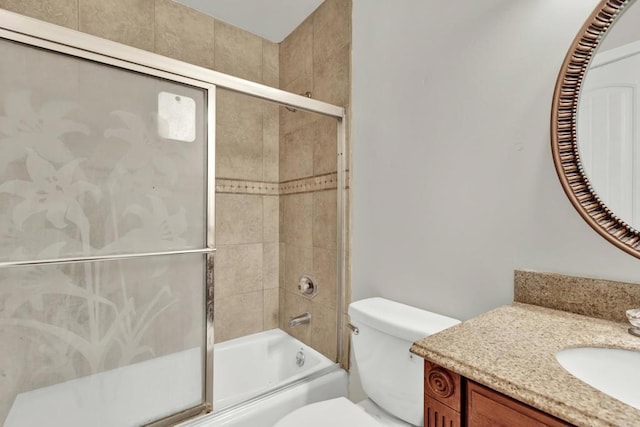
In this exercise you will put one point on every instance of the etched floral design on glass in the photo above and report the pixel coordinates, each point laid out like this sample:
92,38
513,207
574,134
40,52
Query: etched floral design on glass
83,172
24,128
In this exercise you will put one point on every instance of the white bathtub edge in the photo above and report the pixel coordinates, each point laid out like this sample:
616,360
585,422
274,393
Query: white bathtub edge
264,411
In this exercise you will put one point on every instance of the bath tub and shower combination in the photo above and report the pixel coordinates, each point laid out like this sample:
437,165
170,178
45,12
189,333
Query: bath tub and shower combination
110,319
260,378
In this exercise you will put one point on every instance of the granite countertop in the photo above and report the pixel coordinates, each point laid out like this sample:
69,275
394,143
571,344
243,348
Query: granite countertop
512,350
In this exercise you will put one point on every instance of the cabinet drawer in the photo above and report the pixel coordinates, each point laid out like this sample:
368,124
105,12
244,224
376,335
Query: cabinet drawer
488,408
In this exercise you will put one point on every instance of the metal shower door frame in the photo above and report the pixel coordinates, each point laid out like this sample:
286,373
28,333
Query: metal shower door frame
33,32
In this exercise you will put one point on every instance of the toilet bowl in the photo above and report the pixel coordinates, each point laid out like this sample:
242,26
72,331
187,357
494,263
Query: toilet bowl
341,412
391,376
334,412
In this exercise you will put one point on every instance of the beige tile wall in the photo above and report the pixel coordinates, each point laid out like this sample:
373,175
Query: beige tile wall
314,58
275,238
59,12
247,225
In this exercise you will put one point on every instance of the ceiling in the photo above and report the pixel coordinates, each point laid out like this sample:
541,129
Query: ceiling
273,20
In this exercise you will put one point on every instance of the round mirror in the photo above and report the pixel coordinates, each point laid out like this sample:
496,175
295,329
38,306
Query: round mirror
595,123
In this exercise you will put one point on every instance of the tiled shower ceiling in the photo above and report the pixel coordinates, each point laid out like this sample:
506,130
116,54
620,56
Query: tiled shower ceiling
271,19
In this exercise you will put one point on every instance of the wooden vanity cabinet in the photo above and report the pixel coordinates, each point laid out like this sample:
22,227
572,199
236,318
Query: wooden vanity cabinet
451,400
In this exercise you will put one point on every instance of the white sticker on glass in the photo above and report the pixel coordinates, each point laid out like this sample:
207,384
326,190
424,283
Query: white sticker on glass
176,117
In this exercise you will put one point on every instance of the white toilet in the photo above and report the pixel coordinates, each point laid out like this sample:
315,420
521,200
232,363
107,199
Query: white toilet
391,376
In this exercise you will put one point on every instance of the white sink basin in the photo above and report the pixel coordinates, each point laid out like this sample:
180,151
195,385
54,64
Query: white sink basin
615,372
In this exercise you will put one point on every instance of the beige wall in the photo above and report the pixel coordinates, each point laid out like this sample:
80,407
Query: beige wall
316,58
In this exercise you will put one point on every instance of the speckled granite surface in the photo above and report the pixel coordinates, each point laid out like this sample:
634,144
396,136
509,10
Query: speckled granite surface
512,350
605,299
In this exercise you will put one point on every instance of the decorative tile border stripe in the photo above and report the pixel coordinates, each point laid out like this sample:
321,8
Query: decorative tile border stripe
235,186
304,185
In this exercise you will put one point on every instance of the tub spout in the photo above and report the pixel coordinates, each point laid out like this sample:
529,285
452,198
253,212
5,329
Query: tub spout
303,319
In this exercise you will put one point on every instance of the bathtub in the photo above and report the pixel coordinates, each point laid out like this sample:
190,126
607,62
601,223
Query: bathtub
257,380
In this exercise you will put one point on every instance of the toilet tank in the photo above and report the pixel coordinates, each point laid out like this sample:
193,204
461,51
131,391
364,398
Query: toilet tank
391,376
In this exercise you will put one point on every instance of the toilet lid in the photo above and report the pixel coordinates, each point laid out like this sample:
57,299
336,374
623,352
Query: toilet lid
333,412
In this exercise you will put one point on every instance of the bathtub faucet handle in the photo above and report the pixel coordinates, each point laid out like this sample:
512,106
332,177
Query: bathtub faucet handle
307,286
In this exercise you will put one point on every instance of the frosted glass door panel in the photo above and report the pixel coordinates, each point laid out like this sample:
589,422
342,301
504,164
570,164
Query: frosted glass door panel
98,159
116,343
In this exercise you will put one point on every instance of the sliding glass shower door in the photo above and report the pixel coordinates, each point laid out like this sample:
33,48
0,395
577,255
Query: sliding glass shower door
104,239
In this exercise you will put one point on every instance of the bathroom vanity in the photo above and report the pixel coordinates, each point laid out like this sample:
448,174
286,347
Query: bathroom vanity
500,368
452,400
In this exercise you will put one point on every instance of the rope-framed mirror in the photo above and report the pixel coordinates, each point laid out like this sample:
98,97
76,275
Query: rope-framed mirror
571,161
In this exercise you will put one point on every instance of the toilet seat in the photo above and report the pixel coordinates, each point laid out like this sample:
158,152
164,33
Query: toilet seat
333,412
